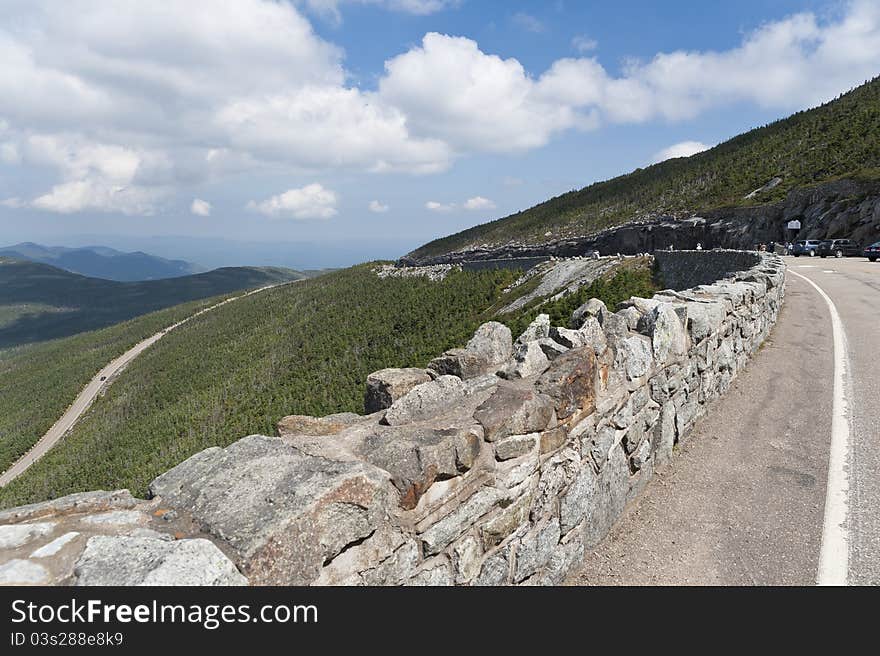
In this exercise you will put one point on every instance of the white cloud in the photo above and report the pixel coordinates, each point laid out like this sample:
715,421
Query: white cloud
310,202
377,207
528,22
98,176
479,203
475,203
434,206
451,90
185,92
118,105
13,203
475,101
98,195
682,149
200,207
318,127
582,43
330,8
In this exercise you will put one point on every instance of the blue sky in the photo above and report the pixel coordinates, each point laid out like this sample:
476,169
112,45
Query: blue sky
367,127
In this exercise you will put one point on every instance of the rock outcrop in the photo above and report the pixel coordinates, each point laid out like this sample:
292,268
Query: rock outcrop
833,210
502,473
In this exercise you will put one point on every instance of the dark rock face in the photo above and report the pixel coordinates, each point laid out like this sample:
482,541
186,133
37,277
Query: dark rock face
834,210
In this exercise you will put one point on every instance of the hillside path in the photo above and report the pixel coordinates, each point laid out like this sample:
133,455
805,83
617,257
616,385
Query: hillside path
101,381
751,498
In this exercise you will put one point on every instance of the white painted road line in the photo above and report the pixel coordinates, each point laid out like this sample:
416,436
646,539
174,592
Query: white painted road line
834,553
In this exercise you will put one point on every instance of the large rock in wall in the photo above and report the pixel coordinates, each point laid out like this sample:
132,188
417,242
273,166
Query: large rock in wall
501,474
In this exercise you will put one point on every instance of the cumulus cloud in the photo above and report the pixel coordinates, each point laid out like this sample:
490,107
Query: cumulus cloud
479,203
453,91
475,101
200,207
123,104
210,88
310,202
98,195
319,127
378,208
97,176
434,206
681,149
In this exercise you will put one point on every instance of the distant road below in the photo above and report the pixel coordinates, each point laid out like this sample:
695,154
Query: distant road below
777,484
100,381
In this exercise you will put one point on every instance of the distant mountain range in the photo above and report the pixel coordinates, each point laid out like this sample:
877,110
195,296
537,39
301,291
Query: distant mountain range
40,302
103,262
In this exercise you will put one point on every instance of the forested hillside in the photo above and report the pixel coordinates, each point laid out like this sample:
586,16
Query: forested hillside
304,348
300,349
838,139
39,381
40,302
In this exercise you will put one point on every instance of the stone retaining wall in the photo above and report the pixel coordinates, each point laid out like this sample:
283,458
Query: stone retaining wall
499,464
686,269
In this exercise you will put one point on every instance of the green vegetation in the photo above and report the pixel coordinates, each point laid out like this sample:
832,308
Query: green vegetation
39,302
611,289
39,381
840,139
299,349
304,348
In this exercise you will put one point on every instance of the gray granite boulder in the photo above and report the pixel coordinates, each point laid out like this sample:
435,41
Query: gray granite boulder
488,351
571,382
426,401
316,426
384,387
417,455
120,560
282,512
514,409
538,329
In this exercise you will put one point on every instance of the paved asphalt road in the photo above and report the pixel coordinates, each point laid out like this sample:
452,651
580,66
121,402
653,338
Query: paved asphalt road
102,379
744,501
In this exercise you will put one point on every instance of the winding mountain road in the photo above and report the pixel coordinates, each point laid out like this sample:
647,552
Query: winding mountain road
100,381
778,484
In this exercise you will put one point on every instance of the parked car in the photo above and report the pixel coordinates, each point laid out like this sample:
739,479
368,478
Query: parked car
806,247
872,252
103,377
839,248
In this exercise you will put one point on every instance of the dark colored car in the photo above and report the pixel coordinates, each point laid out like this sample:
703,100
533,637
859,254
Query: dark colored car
872,252
839,248
806,247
